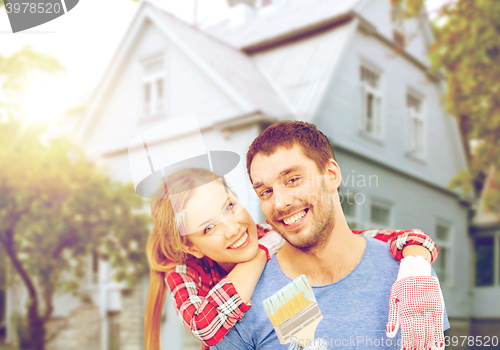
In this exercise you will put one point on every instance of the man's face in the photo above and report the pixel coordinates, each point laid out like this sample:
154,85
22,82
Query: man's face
295,196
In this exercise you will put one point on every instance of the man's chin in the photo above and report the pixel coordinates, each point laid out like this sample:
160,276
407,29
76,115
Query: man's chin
304,245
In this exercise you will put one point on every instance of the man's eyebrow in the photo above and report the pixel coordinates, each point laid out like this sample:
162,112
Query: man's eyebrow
290,170
281,174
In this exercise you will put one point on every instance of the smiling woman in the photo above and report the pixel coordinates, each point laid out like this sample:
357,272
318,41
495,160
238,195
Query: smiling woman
205,248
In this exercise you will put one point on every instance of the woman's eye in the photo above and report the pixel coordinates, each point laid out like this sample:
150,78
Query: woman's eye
208,228
230,207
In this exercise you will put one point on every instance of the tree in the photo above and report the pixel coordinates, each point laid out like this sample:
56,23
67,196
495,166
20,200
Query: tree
57,208
467,49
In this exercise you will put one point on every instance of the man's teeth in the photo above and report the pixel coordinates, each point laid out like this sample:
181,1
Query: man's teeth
240,241
292,220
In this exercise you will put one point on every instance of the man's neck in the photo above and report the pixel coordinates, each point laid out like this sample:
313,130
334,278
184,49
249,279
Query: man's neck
327,264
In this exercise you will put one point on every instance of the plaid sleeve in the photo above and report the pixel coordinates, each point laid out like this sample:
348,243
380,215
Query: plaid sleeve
208,316
398,239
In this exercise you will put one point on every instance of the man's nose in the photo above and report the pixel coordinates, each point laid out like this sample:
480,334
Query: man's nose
280,199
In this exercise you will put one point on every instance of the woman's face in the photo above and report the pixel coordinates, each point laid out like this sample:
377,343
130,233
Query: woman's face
221,227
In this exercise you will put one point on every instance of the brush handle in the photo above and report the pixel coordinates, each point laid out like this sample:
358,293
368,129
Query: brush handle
306,333
301,326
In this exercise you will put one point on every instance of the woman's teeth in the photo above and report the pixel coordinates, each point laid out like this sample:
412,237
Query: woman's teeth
240,241
295,218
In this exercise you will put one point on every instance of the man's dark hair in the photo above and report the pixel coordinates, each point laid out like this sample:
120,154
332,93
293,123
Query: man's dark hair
288,133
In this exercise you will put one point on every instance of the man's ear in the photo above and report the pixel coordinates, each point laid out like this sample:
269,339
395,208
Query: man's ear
191,249
334,177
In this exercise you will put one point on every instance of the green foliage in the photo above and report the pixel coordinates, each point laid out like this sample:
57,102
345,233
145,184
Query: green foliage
467,49
56,206
18,71
69,208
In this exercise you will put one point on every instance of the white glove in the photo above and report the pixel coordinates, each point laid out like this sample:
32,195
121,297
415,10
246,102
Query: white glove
272,242
417,304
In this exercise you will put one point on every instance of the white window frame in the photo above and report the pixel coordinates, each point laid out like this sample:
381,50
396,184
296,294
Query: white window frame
386,205
375,130
356,218
157,106
448,245
416,144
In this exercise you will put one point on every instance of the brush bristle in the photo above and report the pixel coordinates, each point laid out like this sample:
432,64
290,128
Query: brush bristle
289,301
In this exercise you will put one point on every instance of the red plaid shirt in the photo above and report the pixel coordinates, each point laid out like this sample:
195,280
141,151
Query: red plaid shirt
207,302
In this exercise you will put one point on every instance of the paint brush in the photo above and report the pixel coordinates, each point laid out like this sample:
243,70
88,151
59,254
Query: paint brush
294,312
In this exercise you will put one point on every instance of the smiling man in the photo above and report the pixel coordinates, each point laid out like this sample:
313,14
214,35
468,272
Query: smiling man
294,173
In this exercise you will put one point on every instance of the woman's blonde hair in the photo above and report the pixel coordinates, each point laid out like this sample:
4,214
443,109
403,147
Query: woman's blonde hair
165,245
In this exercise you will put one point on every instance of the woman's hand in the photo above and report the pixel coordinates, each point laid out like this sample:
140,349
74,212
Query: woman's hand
271,243
416,303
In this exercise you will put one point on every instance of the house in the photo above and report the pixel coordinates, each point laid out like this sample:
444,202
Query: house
351,67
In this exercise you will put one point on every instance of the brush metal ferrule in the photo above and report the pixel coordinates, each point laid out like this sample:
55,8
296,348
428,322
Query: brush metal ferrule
290,327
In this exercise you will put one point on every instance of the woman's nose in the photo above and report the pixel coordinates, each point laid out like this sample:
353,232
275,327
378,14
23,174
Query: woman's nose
232,228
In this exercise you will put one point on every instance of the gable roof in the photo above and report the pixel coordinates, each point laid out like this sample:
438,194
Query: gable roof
231,65
229,68
283,20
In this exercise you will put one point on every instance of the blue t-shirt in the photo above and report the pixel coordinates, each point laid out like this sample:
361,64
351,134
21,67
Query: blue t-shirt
355,309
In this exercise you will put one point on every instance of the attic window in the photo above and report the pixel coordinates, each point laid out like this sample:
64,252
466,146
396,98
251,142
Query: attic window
153,87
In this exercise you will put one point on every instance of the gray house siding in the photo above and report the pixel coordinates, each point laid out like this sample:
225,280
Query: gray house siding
443,156
413,188
413,205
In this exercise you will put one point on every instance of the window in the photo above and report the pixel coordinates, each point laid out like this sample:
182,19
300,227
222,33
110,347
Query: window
484,256
442,265
350,209
416,125
153,87
380,215
371,97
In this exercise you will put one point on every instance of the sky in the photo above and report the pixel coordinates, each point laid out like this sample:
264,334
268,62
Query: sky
84,41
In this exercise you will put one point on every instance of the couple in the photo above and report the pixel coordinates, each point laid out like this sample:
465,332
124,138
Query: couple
206,248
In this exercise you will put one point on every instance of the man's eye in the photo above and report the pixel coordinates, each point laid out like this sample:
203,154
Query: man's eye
264,193
209,228
293,180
